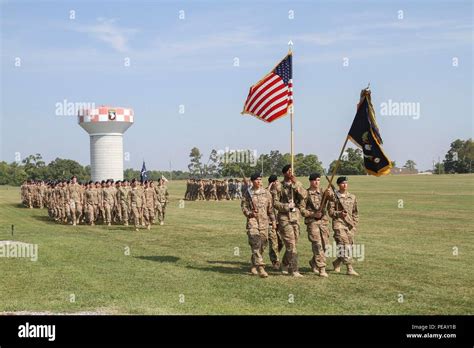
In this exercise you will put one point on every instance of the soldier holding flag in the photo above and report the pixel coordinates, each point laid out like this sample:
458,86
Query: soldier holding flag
287,201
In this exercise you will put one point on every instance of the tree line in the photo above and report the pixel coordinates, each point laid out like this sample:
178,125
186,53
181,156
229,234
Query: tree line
458,159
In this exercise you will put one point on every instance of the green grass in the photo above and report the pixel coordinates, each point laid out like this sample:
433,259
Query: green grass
408,251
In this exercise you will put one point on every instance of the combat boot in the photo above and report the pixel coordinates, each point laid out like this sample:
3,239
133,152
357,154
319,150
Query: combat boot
323,273
313,267
296,274
253,270
337,266
276,265
350,271
261,272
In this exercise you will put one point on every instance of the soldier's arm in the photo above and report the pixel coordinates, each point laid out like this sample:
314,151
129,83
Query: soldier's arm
332,209
245,206
303,206
355,213
270,210
281,207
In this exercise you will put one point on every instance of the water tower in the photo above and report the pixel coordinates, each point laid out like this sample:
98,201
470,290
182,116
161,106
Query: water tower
106,126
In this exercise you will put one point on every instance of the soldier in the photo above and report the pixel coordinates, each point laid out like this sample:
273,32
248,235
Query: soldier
345,217
64,201
162,200
257,207
108,199
123,207
29,194
213,190
101,211
75,201
117,210
317,223
238,189
226,190
274,238
90,201
149,204
135,202
286,201
98,202
201,196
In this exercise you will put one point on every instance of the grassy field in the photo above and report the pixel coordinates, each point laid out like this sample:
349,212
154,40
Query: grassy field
189,265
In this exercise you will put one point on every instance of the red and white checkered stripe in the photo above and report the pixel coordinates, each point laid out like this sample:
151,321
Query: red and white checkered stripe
101,114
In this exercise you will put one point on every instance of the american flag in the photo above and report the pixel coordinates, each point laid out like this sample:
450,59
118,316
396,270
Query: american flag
271,97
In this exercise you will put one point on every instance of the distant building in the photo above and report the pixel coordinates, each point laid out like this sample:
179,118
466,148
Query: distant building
403,171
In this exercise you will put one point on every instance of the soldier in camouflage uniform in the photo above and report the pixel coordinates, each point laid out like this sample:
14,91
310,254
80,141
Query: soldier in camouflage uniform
162,197
286,201
317,223
257,208
75,201
274,238
345,218
91,200
123,201
149,204
108,200
135,202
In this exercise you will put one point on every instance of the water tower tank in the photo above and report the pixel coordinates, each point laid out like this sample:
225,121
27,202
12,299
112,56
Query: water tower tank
106,126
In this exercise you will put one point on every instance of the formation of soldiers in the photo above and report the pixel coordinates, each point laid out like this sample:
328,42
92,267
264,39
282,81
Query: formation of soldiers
214,190
106,202
273,217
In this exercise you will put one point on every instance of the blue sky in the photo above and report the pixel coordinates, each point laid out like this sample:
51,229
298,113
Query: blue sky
190,62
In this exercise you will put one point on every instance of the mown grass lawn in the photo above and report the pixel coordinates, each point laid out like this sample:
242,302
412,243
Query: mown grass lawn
190,266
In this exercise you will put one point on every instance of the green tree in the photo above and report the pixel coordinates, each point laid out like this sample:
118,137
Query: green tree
459,157
352,163
63,169
305,165
439,168
195,165
410,165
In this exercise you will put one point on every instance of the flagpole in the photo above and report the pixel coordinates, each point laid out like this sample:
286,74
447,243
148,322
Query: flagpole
292,145
336,167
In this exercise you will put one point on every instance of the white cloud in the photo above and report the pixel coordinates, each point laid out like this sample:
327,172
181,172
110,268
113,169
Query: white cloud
108,31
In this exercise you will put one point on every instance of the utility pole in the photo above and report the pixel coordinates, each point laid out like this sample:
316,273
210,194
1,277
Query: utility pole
171,173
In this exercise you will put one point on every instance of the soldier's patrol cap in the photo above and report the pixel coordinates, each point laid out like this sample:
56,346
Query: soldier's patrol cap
272,178
285,168
255,176
341,179
314,176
